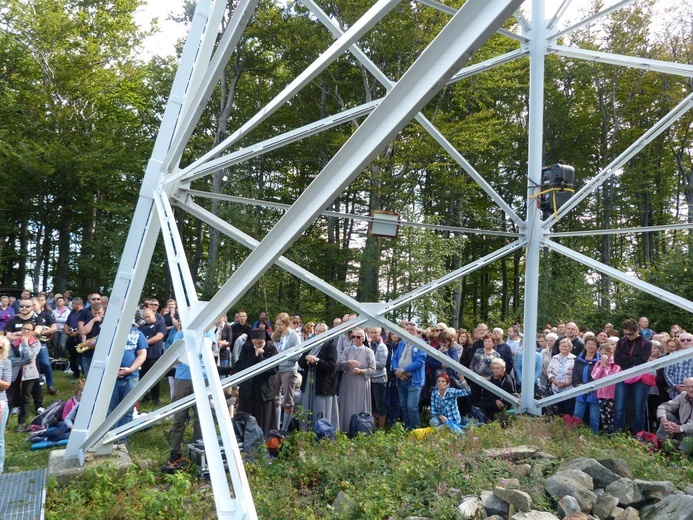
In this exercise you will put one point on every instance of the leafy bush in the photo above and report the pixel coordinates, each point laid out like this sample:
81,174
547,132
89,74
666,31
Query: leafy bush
385,475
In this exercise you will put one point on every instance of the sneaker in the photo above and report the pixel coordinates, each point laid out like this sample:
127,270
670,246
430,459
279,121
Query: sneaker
15,410
43,379
40,410
176,465
20,428
68,371
52,390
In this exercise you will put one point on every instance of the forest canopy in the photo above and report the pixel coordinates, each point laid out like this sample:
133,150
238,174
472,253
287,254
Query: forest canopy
80,110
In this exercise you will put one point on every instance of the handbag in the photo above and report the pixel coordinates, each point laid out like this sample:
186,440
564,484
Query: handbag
30,371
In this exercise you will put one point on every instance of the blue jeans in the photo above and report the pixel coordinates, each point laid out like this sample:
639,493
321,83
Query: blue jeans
409,403
85,363
581,407
4,415
121,389
637,392
43,361
454,426
225,362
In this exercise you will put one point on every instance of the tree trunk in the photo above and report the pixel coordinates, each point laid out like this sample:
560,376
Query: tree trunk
64,235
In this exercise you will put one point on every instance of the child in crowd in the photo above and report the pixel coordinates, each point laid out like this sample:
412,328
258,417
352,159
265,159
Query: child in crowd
606,367
62,430
75,399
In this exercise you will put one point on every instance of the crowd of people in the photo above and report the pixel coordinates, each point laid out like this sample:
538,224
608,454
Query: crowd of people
369,371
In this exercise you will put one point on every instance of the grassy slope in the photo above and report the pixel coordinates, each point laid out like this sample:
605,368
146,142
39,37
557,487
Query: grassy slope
387,474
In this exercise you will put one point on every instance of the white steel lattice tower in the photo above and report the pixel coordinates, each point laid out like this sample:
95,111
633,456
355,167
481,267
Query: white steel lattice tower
165,185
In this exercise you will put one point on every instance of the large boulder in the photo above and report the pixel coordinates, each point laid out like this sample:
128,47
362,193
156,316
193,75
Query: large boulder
605,506
520,500
569,483
493,505
601,475
655,489
673,507
534,515
567,506
626,491
471,508
516,453
618,466
629,513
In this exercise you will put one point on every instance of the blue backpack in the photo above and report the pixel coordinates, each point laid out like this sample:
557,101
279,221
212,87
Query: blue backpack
324,430
361,423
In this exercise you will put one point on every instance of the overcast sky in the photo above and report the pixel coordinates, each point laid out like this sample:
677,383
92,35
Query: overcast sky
163,43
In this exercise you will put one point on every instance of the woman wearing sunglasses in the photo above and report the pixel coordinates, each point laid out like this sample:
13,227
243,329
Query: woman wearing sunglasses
357,362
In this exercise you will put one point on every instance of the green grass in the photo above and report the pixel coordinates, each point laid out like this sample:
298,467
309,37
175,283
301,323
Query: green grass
388,474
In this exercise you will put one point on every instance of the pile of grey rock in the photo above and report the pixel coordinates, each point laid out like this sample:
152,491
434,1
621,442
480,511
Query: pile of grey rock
603,489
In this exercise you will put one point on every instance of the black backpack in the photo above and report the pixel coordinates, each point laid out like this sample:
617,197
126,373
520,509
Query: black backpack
51,416
249,435
478,414
361,423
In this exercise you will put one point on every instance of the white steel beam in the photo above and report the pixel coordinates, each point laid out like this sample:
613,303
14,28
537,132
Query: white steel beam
451,11
648,288
165,411
454,275
247,241
373,313
633,230
274,143
159,370
448,361
363,25
522,21
666,67
454,45
596,181
650,366
194,172
488,64
590,19
133,267
202,90
551,26
533,227
380,76
347,216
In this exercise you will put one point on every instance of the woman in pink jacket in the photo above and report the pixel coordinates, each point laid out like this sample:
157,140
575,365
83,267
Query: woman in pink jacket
606,367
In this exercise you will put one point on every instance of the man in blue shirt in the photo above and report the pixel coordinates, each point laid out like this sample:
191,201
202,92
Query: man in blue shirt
645,330
154,329
128,375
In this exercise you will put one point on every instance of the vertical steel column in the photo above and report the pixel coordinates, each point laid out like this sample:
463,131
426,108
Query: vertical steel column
533,229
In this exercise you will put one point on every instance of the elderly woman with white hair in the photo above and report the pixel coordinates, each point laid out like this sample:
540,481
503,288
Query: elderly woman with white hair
357,362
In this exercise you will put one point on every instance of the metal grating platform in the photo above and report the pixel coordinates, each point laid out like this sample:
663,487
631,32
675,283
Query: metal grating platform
22,495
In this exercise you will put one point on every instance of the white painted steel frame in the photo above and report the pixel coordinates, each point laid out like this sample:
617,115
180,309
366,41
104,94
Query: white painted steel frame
196,78
345,216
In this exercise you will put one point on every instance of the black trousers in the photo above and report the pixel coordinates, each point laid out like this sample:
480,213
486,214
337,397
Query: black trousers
155,392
